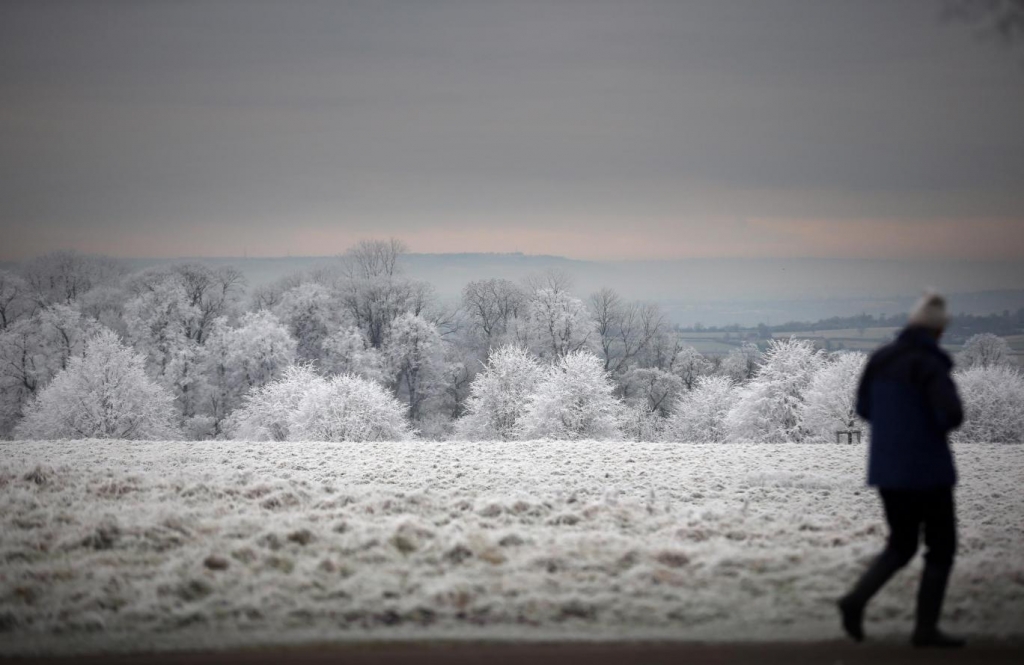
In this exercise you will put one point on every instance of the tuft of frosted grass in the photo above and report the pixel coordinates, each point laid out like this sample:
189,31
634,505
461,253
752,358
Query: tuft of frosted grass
112,545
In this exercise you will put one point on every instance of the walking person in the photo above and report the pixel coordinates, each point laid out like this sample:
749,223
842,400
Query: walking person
908,396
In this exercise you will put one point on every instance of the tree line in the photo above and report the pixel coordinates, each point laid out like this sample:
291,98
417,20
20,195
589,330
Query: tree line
357,350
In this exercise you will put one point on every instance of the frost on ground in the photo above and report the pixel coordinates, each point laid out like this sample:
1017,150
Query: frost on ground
130,545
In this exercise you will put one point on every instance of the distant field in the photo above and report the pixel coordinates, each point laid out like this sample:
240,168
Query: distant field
710,345
719,343
846,338
872,334
1016,343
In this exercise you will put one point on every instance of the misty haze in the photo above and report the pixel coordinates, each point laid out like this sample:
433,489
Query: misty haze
513,331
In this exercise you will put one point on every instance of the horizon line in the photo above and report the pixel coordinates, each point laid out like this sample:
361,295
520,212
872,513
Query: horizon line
338,255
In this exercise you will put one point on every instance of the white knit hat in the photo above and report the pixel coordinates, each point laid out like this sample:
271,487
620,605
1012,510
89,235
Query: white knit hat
929,312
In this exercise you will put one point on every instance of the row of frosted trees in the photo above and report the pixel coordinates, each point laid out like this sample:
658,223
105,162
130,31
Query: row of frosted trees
358,351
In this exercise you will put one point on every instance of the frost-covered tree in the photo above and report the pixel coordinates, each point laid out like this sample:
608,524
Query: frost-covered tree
624,329
347,351
770,407
349,408
373,292
640,423
662,351
375,303
33,350
210,293
741,364
64,332
830,399
213,292
655,389
23,371
573,400
438,426
558,324
985,350
169,317
266,413
993,399
14,298
371,259
268,296
499,396
105,303
62,277
689,365
554,279
460,368
261,349
237,360
221,391
42,345
699,416
161,324
302,405
103,394
415,357
491,307
308,313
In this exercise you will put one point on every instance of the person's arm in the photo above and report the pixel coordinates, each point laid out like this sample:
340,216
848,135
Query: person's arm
943,398
864,392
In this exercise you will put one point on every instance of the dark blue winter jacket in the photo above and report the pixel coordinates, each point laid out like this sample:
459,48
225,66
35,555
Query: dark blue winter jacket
908,396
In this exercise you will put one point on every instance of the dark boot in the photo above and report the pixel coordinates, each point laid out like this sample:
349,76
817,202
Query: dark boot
852,617
851,606
938,639
929,607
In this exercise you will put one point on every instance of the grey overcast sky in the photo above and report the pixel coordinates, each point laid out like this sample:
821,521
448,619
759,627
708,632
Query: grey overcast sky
632,129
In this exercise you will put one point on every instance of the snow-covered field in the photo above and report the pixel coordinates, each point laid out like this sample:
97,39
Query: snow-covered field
128,545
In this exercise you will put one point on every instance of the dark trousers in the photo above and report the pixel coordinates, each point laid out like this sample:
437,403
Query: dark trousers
908,512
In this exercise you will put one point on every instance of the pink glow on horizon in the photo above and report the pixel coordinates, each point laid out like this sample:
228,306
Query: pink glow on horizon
605,239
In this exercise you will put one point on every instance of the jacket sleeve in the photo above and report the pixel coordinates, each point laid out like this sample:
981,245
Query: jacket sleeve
943,398
864,392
